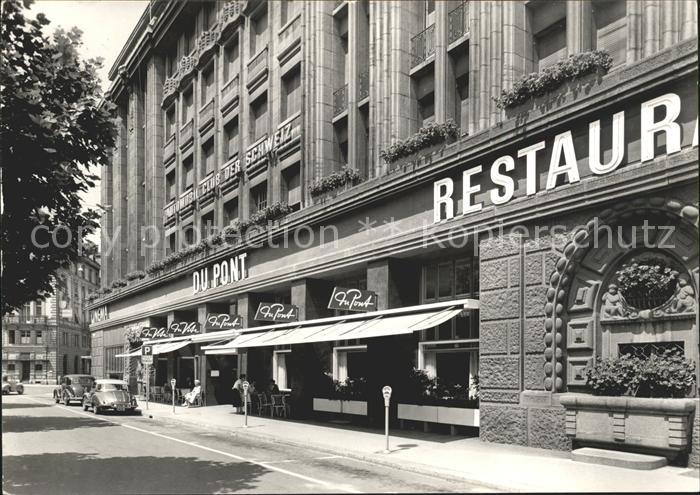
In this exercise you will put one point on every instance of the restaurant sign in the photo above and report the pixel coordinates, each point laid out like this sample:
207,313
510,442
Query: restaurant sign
176,329
222,273
222,321
353,300
276,312
99,314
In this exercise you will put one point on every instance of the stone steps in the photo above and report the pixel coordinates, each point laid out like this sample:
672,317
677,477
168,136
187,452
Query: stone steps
618,458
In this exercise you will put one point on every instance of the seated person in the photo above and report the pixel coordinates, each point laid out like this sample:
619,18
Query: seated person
272,388
192,394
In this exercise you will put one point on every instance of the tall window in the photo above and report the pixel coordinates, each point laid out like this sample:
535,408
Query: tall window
170,122
291,186
188,173
231,211
429,12
424,87
207,157
170,189
258,32
208,84
279,367
25,337
39,337
231,59
26,312
231,136
171,245
207,224
341,139
171,61
258,197
548,20
187,106
11,337
610,23
291,93
39,308
189,39
258,117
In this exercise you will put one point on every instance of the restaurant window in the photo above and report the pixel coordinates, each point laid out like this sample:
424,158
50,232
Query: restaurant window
231,60
258,118
208,84
207,158
170,189
291,186
291,93
25,337
279,367
231,136
548,21
258,197
455,367
11,337
350,362
188,173
230,211
187,105
610,24
39,337
258,31
207,224
113,364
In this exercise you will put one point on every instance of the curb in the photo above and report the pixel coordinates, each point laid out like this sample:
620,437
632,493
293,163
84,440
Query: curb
373,459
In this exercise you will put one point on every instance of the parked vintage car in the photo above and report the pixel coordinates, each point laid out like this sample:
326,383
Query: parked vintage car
109,394
72,388
11,385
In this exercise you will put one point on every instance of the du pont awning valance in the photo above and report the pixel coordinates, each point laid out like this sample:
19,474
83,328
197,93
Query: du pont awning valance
375,324
163,348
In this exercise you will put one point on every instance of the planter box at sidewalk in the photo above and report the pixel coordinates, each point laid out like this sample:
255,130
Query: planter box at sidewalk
356,407
654,425
439,414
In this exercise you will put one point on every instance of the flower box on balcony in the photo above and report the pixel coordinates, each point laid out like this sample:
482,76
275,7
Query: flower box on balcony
353,407
661,426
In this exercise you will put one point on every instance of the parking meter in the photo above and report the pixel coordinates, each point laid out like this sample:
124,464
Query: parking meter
386,393
172,386
246,386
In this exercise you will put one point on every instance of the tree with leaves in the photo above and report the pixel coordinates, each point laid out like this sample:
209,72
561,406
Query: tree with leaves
54,129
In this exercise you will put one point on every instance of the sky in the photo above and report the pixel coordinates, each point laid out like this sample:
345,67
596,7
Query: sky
106,25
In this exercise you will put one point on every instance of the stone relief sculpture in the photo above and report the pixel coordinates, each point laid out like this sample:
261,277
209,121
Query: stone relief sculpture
684,300
613,303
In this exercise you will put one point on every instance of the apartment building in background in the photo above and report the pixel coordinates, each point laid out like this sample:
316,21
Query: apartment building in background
230,110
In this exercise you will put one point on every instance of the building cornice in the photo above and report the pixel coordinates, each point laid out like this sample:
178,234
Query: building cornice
667,66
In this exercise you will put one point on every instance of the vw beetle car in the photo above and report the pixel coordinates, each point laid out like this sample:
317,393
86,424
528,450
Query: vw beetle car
109,394
72,388
11,385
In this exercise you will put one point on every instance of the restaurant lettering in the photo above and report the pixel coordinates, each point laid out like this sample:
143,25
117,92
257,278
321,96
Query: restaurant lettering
222,273
222,321
353,300
657,120
277,312
99,314
176,329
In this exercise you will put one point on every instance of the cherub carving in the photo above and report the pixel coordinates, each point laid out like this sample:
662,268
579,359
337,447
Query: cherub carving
613,303
685,298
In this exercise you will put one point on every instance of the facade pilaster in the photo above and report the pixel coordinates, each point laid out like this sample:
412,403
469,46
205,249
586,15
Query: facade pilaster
579,26
153,173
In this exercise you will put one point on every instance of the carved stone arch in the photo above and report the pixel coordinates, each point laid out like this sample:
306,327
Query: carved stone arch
569,300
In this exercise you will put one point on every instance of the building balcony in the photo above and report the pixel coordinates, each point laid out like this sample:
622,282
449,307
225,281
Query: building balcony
26,320
230,93
170,88
186,67
186,134
170,212
458,23
340,100
423,45
289,38
206,43
169,148
229,16
363,85
206,116
257,66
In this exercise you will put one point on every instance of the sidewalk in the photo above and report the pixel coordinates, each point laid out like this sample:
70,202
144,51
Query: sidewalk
504,467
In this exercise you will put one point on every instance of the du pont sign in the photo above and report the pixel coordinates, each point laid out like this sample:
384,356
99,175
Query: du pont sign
222,321
222,273
176,329
279,313
353,300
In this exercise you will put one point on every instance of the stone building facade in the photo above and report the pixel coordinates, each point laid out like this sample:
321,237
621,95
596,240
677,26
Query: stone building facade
50,338
228,108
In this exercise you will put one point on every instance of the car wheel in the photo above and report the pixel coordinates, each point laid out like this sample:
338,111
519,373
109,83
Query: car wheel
20,390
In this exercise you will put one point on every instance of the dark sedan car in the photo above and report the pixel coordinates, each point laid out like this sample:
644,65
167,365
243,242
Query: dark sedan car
72,388
109,395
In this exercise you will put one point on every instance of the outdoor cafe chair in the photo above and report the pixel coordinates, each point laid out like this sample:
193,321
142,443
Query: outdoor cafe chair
263,404
278,406
156,394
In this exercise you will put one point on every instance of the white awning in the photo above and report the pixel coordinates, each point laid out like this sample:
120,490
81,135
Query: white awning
379,326
137,352
169,347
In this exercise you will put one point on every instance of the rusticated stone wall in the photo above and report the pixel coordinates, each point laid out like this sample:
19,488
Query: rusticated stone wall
694,458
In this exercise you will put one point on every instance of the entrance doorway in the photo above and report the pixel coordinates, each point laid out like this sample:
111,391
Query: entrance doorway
223,371
185,372
24,376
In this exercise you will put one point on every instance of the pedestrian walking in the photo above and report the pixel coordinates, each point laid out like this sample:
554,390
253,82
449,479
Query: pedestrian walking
238,393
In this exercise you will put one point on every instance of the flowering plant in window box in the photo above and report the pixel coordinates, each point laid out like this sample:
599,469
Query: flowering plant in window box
429,135
343,178
647,283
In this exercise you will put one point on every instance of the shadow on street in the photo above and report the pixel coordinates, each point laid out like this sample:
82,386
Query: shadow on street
85,473
21,405
24,424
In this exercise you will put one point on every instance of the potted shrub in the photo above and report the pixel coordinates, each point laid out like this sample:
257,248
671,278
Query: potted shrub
432,400
347,397
636,402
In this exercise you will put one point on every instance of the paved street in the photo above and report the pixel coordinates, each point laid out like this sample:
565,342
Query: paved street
55,449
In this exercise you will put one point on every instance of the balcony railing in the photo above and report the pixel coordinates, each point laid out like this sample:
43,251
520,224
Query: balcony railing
206,42
186,134
170,210
364,84
231,89
170,87
290,33
230,12
30,320
423,45
340,100
169,147
206,114
186,66
458,22
257,64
